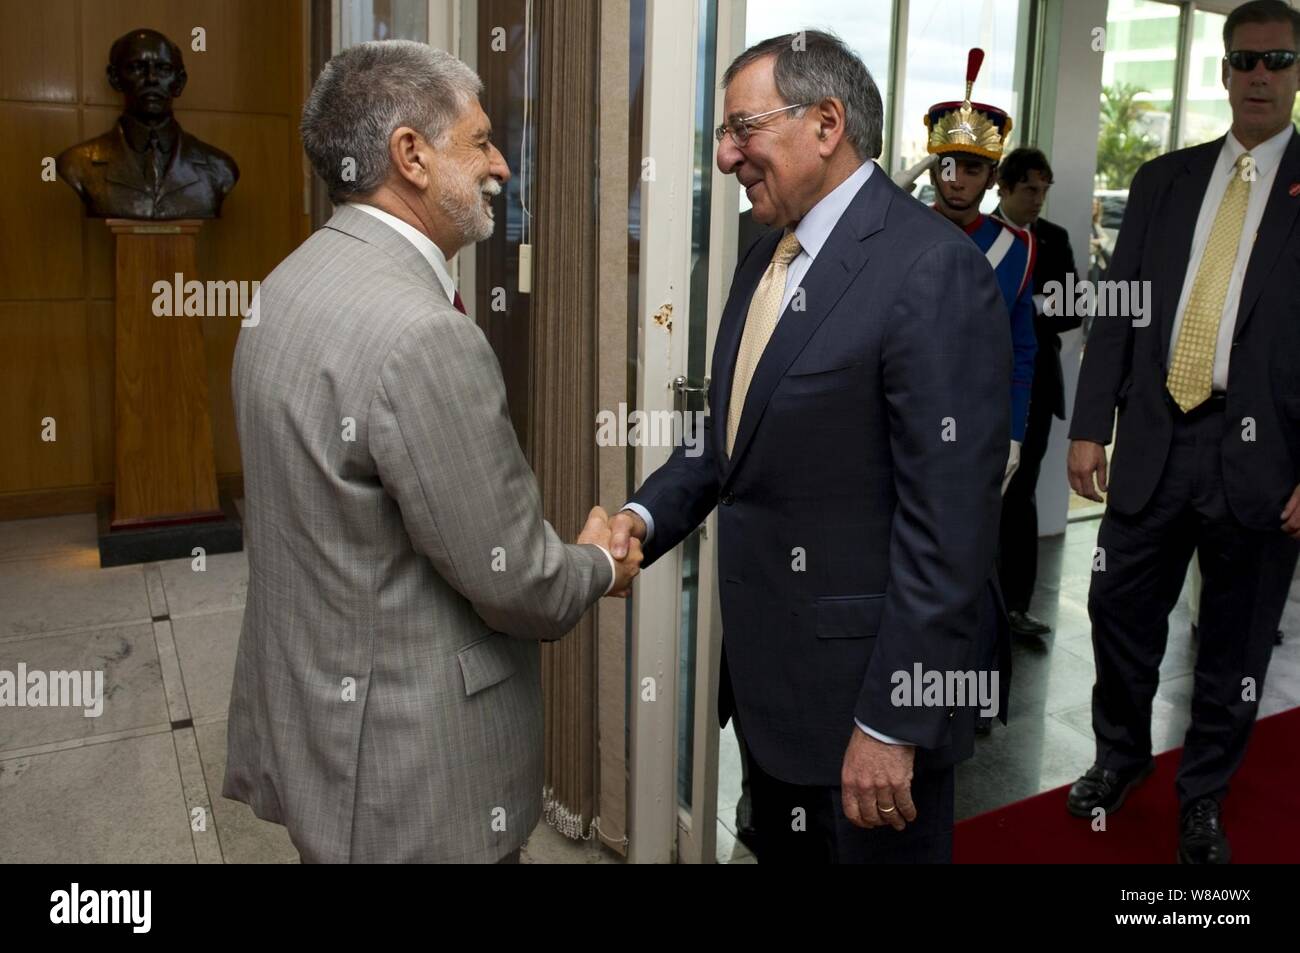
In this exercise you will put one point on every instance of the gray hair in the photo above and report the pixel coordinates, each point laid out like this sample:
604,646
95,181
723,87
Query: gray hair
367,91
812,66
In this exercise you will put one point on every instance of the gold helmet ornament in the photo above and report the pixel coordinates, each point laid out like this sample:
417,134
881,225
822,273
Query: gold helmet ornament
974,128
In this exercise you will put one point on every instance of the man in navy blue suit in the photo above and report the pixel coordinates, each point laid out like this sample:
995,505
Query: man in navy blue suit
1202,397
855,447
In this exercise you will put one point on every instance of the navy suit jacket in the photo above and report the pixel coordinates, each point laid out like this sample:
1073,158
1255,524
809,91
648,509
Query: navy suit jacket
1125,367
859,511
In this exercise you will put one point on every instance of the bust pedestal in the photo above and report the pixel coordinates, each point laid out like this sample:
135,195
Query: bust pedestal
165,501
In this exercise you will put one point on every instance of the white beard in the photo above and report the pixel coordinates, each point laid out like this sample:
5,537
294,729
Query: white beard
462,202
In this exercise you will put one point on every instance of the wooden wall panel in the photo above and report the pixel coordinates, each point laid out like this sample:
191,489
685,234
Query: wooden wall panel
57,271
38,51
42,248
44,372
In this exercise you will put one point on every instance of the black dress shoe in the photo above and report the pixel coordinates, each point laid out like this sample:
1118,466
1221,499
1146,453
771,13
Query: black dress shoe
745,832
1201,840
1105,789
1022,623
749,837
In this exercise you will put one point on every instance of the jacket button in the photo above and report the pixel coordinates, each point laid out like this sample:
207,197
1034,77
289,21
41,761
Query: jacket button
727,499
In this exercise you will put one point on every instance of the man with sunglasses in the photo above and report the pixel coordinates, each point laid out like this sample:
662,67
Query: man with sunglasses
1207,452
855,447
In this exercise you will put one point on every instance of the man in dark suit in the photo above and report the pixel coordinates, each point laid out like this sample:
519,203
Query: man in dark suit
1023,180
1207,457
856,446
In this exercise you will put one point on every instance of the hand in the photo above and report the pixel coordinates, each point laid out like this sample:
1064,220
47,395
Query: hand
1013,464
598,532
877,775
1291,515
626,524
1086,459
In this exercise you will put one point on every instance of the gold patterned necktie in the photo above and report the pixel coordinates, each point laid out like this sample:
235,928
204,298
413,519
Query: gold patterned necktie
764,312
1191,368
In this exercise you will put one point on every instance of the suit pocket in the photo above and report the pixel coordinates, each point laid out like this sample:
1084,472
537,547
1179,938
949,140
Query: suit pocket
485,663
819,380
849,617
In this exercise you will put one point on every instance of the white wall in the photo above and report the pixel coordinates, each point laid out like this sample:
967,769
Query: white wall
1071,113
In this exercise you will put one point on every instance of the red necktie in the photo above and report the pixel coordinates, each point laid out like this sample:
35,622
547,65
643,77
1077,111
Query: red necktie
458,304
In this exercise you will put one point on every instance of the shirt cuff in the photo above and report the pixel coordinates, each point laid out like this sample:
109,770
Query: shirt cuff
613,573
644,513
881,737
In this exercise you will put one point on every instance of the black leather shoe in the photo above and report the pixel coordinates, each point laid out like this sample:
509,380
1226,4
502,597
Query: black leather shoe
1022,623
1105,789
1202,840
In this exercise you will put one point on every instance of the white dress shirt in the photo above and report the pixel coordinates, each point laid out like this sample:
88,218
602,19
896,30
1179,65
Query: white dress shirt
1267,156
438,262
812,231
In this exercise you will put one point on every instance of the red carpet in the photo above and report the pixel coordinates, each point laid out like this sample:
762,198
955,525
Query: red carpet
1261,815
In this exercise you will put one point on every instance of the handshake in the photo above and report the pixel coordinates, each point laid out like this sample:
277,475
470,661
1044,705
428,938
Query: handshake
621,537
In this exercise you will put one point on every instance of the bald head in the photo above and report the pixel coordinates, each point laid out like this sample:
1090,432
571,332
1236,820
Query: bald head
146,68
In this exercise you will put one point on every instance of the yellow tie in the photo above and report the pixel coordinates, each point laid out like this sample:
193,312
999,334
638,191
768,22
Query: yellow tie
1191,369
764,312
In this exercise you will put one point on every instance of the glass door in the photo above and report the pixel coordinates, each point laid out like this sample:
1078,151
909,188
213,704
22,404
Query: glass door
688,213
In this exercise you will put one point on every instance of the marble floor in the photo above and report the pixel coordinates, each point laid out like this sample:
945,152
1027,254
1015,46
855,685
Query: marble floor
142,781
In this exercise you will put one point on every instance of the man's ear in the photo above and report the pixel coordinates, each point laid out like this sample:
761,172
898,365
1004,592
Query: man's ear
1223,71
404,152
113,79
182,78
830,116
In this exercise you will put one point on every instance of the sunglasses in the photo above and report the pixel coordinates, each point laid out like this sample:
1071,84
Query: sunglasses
1274,60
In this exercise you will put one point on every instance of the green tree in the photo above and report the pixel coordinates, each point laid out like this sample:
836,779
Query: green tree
1295,112
1122,145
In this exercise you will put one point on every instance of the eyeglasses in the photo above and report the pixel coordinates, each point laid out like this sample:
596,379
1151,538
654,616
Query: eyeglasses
741,128
1274,60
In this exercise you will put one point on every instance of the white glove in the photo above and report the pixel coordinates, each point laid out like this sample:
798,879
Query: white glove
1013,464
905,179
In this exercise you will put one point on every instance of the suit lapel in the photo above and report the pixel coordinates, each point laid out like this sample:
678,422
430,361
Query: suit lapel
1185,199
1279,218
834,268
126,172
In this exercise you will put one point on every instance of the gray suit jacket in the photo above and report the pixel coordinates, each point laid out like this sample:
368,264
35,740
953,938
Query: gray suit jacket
387,695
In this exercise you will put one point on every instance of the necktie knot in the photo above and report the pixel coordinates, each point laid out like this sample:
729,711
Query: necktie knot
788,250
1245,166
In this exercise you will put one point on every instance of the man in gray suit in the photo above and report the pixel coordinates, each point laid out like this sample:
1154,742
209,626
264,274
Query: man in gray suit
387,694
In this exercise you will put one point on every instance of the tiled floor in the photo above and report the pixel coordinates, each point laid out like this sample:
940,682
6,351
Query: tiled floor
142,781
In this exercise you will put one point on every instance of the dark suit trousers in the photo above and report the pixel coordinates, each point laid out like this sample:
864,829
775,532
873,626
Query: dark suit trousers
1246,576
799,824
1018,531
806,825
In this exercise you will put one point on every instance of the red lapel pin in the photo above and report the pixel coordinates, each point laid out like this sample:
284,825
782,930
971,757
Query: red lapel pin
1295,189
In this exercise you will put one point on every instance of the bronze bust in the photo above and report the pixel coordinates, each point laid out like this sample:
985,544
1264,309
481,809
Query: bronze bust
146,166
